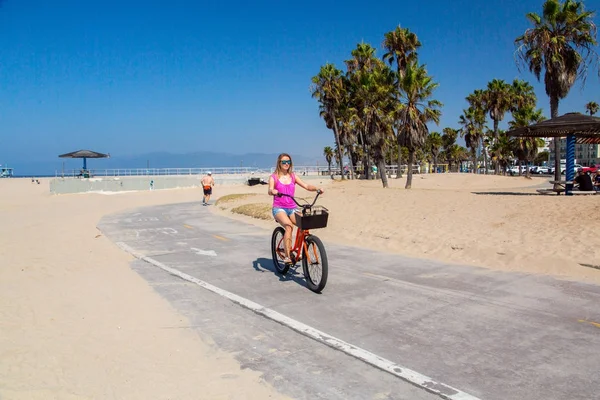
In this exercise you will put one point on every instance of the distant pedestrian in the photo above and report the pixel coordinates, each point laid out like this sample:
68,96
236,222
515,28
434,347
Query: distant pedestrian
207,185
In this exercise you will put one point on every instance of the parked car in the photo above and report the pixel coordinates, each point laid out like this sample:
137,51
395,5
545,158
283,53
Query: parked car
592,169
542,170
563,168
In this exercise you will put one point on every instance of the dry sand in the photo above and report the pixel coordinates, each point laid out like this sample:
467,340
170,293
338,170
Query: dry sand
489,221
77,323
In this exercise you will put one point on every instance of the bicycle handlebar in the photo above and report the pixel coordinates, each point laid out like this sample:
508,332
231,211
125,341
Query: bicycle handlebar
304,206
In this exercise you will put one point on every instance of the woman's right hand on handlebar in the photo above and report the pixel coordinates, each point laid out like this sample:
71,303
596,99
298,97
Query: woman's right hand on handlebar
274,192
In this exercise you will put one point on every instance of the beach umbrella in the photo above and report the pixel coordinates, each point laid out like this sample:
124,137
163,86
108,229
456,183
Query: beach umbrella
85,154
576,127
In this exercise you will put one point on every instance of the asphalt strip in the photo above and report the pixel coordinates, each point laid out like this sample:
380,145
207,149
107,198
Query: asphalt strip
406,374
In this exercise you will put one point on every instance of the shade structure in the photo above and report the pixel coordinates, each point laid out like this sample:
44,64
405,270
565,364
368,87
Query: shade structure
576,127
85,154
585,128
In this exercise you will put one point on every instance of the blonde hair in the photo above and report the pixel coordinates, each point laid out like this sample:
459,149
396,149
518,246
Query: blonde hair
278,169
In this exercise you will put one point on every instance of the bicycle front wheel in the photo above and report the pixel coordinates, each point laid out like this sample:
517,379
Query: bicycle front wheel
278,251
314,264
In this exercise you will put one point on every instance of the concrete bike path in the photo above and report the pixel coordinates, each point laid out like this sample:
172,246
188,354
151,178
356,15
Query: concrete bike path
487,334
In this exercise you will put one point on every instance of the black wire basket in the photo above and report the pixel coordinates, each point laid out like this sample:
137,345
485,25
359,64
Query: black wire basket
314,218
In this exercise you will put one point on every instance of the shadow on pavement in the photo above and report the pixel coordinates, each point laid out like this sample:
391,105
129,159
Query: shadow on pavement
266,264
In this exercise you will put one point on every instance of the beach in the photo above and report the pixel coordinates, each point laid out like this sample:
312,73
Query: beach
78,323
497,222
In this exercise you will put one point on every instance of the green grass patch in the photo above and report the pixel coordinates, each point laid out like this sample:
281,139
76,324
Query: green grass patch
255,210
233,197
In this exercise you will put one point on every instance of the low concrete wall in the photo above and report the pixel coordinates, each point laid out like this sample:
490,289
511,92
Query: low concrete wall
121,184
129,183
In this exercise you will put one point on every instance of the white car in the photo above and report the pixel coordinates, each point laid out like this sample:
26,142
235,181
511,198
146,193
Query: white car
541,170
563,168
514,170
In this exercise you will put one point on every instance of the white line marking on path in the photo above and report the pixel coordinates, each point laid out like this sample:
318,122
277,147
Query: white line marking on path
200,252
423,381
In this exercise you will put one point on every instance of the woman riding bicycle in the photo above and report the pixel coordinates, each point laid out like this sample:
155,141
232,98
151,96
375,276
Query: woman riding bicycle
284,181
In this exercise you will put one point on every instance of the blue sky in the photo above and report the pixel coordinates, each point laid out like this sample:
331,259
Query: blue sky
131,77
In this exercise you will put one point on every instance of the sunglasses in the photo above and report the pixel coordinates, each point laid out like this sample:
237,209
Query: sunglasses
286,162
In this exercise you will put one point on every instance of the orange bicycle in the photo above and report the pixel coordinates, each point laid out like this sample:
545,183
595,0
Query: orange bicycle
307,247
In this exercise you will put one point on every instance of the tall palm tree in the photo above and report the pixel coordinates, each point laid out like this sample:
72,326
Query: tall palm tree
401,45
377,90
328,89
523,95
560,43
328,153
472,121
592,107
417,110
497,100
359,70
478,110
401,48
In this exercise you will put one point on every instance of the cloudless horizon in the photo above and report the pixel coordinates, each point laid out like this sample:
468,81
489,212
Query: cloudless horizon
134,77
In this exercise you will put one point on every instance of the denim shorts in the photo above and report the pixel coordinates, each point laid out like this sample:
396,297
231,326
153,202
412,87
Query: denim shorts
288,211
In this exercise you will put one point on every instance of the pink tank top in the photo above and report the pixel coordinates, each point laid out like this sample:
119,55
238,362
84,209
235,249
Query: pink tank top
290,188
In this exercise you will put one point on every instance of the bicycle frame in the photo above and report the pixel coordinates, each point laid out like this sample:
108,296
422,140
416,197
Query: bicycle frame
300,243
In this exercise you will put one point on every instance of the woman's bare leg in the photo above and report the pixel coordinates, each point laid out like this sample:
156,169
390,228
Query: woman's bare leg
288,225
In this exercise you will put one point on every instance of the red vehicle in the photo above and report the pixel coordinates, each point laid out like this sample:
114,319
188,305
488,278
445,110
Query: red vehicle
592,169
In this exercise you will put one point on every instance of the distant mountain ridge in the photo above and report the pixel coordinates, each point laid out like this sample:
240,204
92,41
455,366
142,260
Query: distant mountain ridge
159,160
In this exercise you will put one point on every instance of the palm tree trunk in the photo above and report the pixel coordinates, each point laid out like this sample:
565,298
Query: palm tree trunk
484,154
474,154
497,168
338,145
435,163
554,114
329,162
352,166
409,173
399,173
527,173
384,180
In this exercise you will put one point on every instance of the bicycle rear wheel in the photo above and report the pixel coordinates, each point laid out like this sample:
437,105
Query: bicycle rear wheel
314,264
278,251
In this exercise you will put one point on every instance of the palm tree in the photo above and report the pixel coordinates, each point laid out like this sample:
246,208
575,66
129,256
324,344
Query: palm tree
497,100
502,150
377,90
359,70
328,89
526,148
478,109
448,141
434,145
472,121
456,154
561,42
417,110
592,108
523,95
401,45
328,153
